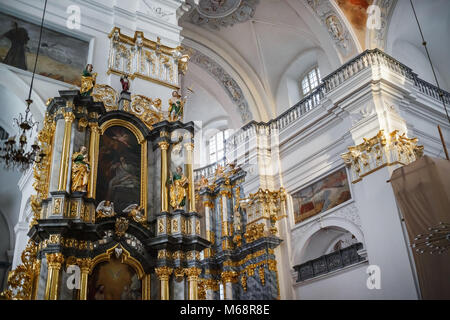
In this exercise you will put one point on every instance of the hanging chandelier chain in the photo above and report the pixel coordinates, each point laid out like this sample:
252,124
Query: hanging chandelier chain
424,43
17,155
37,55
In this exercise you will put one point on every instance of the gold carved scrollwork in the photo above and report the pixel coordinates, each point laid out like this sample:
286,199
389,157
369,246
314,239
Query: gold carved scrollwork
121,226
146,109
380,151
107,95
229,276
254,232
21,279
41,170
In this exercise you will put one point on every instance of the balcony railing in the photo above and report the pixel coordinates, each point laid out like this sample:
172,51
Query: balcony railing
367,59
209,170
329,262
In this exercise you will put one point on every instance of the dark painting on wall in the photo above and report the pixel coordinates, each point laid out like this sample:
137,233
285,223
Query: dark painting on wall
61,56
114,280
321,195
119,167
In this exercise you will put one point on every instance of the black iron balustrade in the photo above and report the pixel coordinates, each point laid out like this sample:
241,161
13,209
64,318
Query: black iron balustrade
329,262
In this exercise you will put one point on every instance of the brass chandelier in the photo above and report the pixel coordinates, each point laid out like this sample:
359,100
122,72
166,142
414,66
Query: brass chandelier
18,155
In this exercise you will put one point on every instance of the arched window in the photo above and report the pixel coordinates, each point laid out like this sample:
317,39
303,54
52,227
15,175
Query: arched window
217,145
310,81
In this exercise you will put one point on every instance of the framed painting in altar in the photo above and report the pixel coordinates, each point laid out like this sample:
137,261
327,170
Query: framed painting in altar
61,57
321,196
114,280
121,166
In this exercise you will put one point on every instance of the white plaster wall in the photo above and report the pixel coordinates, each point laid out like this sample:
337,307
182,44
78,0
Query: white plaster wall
343,285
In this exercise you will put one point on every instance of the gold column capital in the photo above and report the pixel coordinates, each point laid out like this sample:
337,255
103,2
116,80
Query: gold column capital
69,116
163,272
94,126
211,284
54,260
179,272
193,273
189,146
163,145
229,276
84,264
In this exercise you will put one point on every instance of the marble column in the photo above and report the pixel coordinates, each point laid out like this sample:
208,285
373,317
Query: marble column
146,285
65,155
93,157
85,265
164,146
192,275
190,175
228,277
163,274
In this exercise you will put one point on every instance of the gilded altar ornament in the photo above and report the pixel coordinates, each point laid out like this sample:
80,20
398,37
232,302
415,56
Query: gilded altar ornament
107,95
178,184
21,280
105,209
80,170
121,226
380,151
254,232
41,170
135,212
183,63
244,282
201,291
176,107
262,275
88,79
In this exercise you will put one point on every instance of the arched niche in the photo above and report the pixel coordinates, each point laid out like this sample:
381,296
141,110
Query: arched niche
301,253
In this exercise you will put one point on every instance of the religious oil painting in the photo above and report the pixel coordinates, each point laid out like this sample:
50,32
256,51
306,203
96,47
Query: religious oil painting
61,56
321,196
119,163
356,13
114,280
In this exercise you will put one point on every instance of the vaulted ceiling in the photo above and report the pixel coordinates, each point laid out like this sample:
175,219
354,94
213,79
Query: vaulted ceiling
263,47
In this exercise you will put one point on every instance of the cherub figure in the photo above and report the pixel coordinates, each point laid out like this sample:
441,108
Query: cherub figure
105,209
136,212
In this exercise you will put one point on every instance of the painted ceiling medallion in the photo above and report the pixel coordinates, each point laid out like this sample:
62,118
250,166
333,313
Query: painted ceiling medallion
222,13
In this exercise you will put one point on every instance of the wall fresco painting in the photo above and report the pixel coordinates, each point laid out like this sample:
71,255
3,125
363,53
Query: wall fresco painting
61,56
321,196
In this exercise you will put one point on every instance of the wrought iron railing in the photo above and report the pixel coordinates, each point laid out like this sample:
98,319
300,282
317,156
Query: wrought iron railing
329,262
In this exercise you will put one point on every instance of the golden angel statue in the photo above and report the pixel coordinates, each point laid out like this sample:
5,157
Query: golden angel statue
80,170
135,212
178,183
176,107
88,79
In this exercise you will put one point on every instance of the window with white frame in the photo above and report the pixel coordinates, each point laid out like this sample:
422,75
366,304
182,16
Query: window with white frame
217,145
310,81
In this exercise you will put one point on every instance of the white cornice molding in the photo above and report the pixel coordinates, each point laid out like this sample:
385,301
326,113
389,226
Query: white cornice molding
26,178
